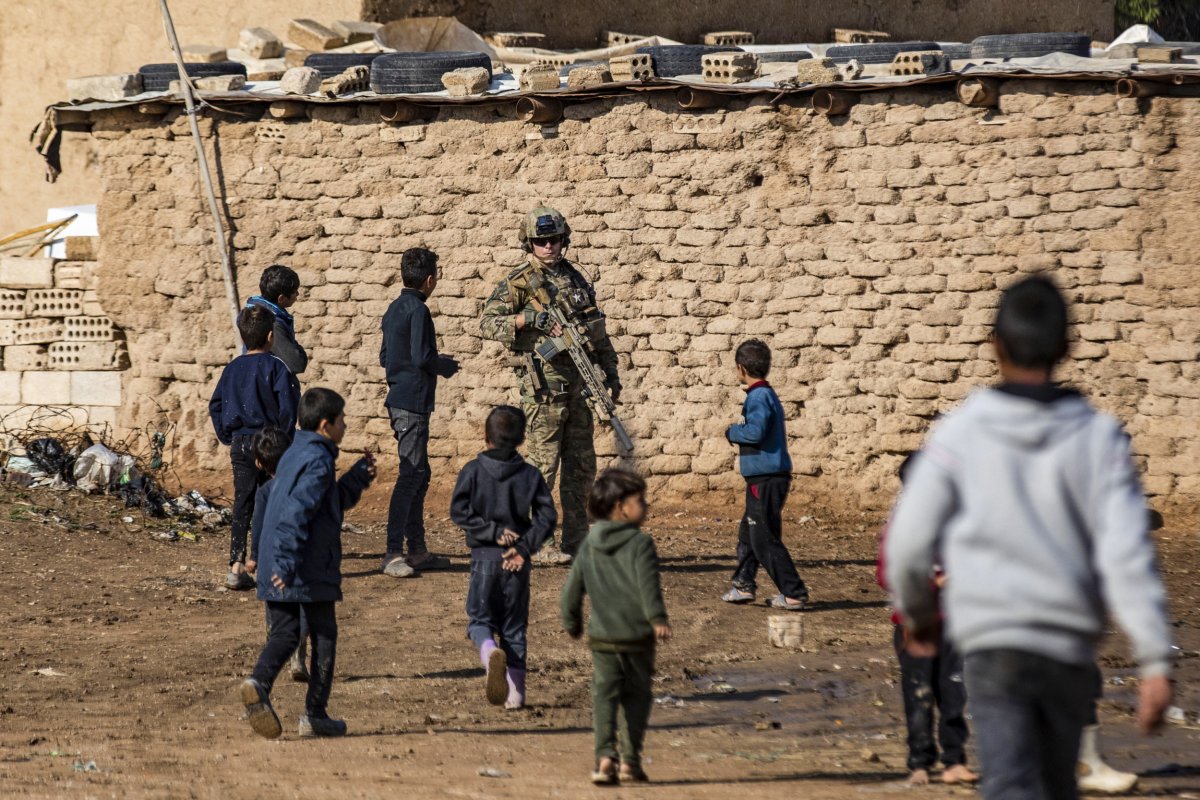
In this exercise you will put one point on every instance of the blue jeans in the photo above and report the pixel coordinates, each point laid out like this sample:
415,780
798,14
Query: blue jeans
1029,712
406,511
498,602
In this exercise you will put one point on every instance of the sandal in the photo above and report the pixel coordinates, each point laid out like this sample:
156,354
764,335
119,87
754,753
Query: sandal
606,773
737,596
633,773
784,603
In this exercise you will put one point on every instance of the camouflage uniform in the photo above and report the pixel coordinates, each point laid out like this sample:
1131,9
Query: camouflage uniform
559,420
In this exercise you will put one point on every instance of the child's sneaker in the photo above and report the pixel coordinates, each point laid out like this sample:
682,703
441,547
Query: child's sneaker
737,596
321,726
497,679
394,566
516,689
239,581
263,718
551,555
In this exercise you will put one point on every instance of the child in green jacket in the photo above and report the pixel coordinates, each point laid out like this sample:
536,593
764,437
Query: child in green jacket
617,565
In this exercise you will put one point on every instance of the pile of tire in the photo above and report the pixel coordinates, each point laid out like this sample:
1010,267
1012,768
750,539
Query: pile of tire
1031,45
158,77
330,65
416,73
878,53
672,60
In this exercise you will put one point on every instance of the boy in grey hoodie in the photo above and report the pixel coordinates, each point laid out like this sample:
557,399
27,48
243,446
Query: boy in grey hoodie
1031,499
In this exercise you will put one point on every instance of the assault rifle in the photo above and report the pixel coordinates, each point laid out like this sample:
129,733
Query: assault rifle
575,341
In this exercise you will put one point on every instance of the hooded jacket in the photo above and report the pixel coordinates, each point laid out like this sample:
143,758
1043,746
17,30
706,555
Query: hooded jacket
617,566
302,524
499,490
1033,500
286,348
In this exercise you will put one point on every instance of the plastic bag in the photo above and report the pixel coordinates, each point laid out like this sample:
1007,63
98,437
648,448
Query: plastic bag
99,468
50,456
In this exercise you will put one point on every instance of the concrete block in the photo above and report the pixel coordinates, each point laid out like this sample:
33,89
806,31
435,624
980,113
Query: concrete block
540,78
73,274
45,388
12,304
26,273
920,62
220,83
516,39
724,38
614,38
582,77
817,70
353,30
354,79
10,388
1159,55
25,356
312,35
87,356
81,248
300,80
95,388
856,36
54,302
732,67
88,329
260,43
466,81
631,68
91,304
104,87
8,332
204,53
293,57
101,417
38,331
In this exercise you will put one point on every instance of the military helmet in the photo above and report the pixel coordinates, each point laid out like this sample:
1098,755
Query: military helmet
542,223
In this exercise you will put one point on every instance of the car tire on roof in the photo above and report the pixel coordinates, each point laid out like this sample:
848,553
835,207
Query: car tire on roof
415,73
954,52
330,65
783,56
671,60
158,77
1031,45
878,53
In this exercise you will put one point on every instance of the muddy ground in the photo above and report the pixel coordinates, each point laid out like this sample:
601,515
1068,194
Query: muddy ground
146,651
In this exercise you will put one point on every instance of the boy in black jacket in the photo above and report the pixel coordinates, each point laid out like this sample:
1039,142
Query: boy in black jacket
280,288
506,510
409,355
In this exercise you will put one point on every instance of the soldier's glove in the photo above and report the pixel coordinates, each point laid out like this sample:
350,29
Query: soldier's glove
538,319
614,389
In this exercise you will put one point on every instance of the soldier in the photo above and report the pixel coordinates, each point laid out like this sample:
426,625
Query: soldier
560,424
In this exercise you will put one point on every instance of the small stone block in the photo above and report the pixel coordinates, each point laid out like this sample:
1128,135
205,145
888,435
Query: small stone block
81,248
12,304
734,67
850,70
631,68
22,357
38,331
215,83
614,38
95,388
88,329
73,274
466,81
817,70
260,43
786,631
582,77
54,302
295,58
354,31
8,332
10,388
1160,55
300,80
26,273
516,39
540,78
45,388
204,53
1122,51
104,87
91,304
87,355
856,36
351,80
312,35
723,38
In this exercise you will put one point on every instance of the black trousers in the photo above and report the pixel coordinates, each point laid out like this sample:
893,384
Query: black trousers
760,539
498,602
284,622
406,511
246,479
926,683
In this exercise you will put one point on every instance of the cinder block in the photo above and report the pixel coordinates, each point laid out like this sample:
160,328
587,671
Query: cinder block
12,304
920,62
26,273
631,68
104,87
25,356
91,304
45,388
613,38
516,39
300,80
204,53
54,302
582,77
95,388
87,355
38,330
72,274
817,70
217,83
88,329
353,30
466,81
81,248
353,79
732,67
723,38
540,78
260,43
856,36
8,332
10,388
312,35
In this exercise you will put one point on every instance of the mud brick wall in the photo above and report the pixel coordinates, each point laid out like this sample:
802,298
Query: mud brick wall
868,250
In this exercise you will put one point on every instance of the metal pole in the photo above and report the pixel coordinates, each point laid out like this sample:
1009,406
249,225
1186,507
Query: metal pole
205,177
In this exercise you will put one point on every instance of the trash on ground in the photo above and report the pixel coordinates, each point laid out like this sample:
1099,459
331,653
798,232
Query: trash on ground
50,672
80,766
492,772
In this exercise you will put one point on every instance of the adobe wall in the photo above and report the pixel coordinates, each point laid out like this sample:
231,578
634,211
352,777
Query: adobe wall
868,250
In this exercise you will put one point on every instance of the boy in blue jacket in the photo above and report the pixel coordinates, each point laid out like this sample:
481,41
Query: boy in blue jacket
280,288
767,468
300,559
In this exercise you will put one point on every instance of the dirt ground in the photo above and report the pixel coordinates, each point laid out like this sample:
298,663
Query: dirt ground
146,652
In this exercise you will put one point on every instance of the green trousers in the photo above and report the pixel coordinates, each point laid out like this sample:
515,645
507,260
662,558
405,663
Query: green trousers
621,696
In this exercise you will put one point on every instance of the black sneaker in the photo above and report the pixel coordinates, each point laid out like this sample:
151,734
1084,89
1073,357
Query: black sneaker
263,718
321,726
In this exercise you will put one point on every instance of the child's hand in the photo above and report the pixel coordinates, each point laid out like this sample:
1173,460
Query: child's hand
369,460
251,566
662,633
277,582
1154,696
513,561
508,537
921,644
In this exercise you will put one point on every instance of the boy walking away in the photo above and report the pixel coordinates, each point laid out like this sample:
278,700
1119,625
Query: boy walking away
410,357
280,287
301,558
617,567
256,390
767,468
505,508
1033,501
926,682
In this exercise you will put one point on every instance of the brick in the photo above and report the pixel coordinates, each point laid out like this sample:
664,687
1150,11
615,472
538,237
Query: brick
540,78
300,80
8,332
10,388
351,80
54,302
72,274
88,329
12,304
354,31
26,273
583,77
466,81
25,356
91,304
631,68
95,388
259,43
204,53
215,83
728,68
723,38
88,356
312,35
81,248
44,388
104,87
857,36
38,331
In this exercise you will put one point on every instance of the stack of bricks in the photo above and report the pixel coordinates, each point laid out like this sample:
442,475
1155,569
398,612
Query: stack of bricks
59,347
868,251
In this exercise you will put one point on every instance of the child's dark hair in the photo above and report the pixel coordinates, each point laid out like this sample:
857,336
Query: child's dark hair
613,486
255,324
1031,323
417,264
269,446
319,404
505,427
754,356
278,281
